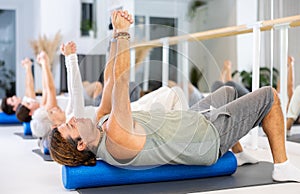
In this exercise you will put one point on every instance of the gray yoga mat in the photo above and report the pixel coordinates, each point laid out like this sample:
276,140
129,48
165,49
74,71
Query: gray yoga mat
25,136
294,138
245,176
46,157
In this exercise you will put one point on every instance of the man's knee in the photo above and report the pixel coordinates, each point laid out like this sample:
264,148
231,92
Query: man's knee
276,99
230,92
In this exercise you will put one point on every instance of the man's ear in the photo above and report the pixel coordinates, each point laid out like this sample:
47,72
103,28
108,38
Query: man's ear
81,145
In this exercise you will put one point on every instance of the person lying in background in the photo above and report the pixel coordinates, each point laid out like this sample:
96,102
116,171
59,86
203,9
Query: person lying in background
226,80
91,91
194,93
9,105
293,111
48,99
290,80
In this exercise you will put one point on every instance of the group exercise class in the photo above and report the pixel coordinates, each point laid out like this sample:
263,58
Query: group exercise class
150,96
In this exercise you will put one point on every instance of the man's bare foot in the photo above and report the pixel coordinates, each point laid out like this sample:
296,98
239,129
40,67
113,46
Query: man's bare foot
226,71
291,61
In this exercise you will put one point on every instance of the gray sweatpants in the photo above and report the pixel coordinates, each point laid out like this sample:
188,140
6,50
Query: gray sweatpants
233,117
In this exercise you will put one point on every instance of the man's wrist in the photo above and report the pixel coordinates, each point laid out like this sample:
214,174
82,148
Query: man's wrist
122,35
120,30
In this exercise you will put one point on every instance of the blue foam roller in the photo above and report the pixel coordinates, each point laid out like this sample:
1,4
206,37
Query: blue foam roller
27,129
104,174
46,147
8,119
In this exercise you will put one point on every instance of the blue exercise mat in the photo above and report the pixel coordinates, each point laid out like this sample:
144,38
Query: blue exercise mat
8,119
27,134
104,174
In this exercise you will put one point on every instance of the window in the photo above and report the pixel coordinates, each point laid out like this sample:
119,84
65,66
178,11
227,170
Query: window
87,25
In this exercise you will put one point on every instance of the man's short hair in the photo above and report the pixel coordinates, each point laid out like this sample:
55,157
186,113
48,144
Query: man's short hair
6,108
22,113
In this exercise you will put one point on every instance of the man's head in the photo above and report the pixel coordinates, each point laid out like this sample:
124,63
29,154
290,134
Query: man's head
9,104
22,113
67,147
25,110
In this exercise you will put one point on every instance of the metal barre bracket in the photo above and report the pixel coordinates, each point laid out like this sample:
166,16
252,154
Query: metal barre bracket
255,25
280,26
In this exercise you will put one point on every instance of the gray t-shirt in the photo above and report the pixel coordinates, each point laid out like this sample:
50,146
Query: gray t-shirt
173,137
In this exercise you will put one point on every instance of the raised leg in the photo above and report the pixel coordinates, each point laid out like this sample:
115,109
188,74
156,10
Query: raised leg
273,127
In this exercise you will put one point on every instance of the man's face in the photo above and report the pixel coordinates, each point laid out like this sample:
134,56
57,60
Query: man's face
13,101
56,115
69,129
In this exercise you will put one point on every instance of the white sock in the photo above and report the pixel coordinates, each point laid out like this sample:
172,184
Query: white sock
244,158
288,133
285,171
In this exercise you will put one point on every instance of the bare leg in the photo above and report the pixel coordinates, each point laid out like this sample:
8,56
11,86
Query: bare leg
226,71
293,109
289,123
291,82
290,91
290,85
273,127
241,156
93,89
237,148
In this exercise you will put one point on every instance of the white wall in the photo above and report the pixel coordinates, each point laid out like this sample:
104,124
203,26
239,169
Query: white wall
64,15
246,12
209,55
